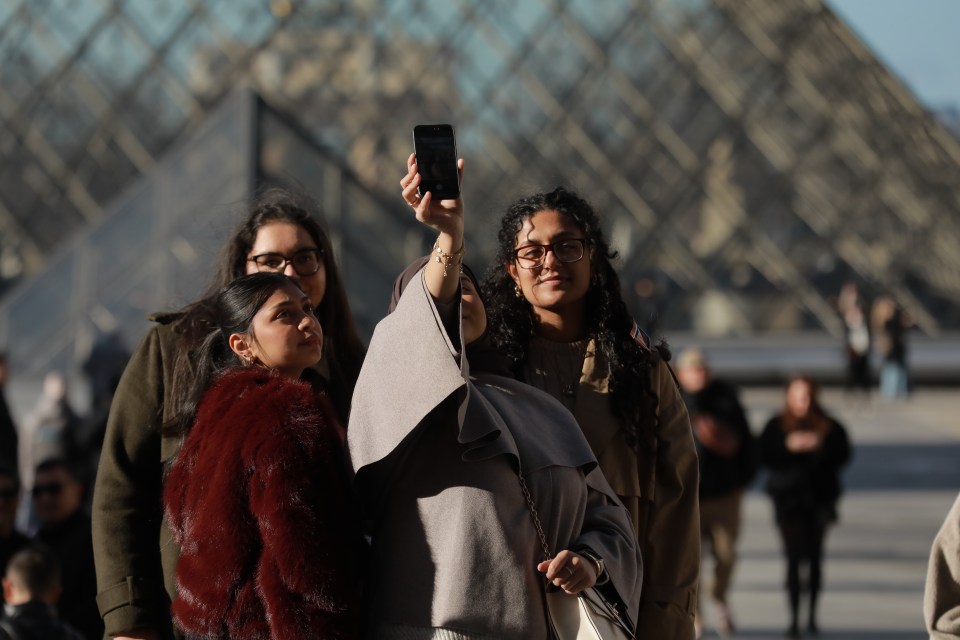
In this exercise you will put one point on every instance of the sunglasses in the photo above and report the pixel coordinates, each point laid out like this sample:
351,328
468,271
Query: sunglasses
52,489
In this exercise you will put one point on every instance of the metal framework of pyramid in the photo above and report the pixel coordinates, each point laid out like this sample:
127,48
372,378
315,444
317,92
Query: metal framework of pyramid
748,157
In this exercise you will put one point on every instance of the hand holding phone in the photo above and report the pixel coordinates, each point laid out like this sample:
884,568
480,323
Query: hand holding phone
436,150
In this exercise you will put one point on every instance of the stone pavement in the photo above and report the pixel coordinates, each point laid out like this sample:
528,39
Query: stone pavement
900,485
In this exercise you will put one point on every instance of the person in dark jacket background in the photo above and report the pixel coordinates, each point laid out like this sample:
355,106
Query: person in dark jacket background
804,449
31,588
727,456
65,529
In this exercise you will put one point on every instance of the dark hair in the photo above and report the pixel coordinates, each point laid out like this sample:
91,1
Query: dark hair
35,570
816,419
343,349
609,323
49,464
231,311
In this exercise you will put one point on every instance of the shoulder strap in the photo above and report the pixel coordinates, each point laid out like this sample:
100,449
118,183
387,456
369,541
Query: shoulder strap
536,517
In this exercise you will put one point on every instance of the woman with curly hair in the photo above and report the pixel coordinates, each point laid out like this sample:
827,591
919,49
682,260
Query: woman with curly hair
556,310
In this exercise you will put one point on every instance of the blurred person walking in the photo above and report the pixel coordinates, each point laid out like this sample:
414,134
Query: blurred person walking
890,324
65,529
50,431
32,587
857,340
727,456
9,452
804,449
136,555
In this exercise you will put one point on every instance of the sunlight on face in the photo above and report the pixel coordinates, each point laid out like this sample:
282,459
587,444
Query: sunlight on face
286,334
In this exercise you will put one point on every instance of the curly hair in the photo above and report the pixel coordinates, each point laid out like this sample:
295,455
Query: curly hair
609,323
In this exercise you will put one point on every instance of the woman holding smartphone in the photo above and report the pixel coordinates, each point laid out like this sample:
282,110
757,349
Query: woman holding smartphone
446,451
556,311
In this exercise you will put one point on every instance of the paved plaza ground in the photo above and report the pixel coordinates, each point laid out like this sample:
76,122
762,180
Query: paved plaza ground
904,477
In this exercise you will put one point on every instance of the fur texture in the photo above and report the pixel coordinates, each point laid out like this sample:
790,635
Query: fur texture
257,500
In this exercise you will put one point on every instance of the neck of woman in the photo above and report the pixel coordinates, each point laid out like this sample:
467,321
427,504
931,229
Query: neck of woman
563,325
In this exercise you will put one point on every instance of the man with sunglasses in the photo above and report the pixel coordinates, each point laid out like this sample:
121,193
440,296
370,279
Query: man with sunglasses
65,528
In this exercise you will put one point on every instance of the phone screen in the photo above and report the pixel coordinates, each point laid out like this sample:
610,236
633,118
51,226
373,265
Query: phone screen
436,150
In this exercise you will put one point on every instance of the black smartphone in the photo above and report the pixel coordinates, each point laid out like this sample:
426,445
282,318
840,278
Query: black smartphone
436,149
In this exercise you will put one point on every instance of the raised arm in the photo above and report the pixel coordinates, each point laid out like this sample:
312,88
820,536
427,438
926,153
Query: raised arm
442,273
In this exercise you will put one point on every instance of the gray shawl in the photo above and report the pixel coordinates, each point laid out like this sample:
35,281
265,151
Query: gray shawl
436,454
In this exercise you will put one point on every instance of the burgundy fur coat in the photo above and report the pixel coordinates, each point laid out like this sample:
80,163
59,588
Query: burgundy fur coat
258,501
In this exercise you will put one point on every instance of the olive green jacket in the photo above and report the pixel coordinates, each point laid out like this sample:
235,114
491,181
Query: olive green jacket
133,547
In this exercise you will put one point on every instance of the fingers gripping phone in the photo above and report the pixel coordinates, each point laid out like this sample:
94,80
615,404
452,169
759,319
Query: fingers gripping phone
436,149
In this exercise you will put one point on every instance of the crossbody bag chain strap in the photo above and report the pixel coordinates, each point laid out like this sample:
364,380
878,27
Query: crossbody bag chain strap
536,518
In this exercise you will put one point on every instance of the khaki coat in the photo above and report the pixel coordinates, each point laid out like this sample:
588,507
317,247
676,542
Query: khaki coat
659,489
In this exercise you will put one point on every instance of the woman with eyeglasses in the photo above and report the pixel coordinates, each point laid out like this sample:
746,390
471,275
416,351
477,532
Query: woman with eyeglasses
557,312
135,553
447,452
257,495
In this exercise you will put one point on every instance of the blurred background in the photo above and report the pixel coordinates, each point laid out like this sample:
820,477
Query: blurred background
763,167
749,157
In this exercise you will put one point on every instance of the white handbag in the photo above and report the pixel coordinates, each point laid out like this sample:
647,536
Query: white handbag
587,615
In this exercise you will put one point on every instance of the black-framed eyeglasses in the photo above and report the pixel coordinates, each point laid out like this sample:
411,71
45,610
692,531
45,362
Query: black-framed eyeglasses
531,256
306,262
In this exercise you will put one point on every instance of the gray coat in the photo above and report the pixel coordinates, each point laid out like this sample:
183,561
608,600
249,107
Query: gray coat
436,453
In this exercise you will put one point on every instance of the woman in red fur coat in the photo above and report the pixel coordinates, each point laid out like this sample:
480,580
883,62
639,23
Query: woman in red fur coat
257,497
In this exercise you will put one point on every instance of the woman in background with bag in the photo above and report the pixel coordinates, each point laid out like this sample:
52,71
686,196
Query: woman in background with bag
466,475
